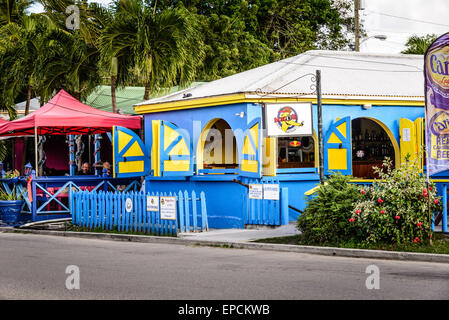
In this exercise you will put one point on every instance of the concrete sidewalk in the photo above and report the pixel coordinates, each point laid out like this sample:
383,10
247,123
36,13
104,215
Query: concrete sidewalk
239,235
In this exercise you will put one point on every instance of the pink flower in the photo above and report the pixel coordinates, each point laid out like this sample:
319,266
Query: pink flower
430,188
382,212
419,224
397,217
351,220
358,211
435,201
363,191
380,200
416,239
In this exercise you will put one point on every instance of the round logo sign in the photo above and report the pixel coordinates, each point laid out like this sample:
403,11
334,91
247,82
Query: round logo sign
129,205
438,66
287,119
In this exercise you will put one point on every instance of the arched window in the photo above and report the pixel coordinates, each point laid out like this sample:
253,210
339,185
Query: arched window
370,145
217,149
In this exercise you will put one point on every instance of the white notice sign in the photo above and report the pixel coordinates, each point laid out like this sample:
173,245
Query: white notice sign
168,208
255,191
271,191
152,203
406,134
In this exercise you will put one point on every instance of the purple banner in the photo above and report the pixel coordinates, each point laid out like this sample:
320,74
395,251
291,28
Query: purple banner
436,73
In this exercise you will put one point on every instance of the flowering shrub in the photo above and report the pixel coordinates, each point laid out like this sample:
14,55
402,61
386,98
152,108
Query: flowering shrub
395,209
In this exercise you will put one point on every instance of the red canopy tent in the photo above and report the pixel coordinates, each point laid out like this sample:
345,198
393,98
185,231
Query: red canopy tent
64,115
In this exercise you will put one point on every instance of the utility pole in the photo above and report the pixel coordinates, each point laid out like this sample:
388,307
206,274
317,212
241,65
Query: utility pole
356,17
320,125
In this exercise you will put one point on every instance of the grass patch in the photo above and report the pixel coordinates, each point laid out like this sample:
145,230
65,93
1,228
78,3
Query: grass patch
440,244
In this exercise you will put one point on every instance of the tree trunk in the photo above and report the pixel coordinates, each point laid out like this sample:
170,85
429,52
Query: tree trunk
146,96
27,106
114,100
25,139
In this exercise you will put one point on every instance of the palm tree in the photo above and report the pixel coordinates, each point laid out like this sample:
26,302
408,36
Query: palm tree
159,47
418,45
13,10
20,47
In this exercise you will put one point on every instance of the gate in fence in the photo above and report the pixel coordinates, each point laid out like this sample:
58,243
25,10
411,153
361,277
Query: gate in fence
151,213
267,204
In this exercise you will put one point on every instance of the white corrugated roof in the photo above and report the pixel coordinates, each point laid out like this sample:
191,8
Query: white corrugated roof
344,74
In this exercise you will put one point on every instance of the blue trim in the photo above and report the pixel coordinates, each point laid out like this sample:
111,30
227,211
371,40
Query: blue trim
118,154
164,153
345,144
296,170
244,156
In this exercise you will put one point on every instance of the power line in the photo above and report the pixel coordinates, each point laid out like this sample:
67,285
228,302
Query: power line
408,19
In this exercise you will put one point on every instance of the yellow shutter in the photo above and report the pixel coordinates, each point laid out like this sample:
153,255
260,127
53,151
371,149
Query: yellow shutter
407,134
420,143
269,151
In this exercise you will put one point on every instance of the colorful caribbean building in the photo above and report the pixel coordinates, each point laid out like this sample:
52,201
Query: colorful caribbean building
260,127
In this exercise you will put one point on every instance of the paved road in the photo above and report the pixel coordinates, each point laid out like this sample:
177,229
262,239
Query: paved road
33,267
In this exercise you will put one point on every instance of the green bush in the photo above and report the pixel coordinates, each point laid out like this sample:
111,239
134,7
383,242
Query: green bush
395,209
325,219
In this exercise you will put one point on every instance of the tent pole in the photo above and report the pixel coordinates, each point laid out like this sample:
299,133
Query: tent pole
35,152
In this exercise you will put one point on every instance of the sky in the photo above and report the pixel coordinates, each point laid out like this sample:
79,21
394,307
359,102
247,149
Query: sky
396,19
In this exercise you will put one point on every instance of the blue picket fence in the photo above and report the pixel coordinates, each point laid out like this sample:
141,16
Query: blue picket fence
129,212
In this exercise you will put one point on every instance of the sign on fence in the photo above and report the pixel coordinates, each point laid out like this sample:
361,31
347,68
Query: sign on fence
152,203
255,191
271,191
168,208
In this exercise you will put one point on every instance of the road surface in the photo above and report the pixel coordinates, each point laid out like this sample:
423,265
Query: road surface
34,267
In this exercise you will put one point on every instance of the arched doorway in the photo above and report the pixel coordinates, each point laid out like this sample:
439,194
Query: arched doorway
217,147
371,143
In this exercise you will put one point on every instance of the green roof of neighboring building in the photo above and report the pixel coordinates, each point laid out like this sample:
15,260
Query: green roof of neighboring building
126,97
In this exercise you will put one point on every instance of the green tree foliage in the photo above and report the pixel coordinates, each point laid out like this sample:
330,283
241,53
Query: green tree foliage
160,47
418,45
243,34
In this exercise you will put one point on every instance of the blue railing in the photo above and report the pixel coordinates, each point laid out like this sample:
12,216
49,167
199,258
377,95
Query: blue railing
51,197
140,212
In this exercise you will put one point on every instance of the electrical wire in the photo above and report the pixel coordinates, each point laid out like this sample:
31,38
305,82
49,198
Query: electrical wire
408,19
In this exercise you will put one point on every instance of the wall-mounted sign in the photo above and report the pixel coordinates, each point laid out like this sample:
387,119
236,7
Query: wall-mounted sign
255,191
271,191
406,134
168,208
128,205
152,203
288,119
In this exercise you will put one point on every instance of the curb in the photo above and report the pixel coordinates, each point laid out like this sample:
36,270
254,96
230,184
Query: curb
327,251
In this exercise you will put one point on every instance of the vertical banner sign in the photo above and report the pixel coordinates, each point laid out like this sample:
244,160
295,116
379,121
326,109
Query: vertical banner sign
436,74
